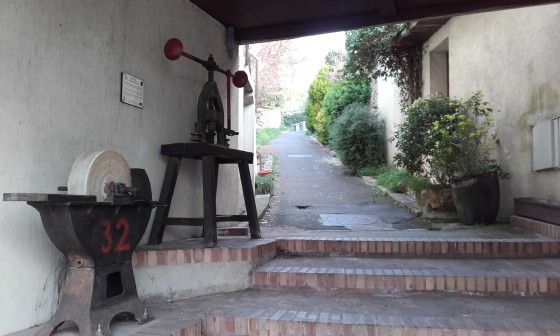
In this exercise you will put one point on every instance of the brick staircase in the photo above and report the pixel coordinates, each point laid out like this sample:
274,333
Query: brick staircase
506,286
394,286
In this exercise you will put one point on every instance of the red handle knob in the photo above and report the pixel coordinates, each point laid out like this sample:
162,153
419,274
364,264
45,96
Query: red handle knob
173,49
240,79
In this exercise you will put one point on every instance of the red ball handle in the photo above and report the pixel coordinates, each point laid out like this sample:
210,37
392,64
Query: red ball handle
173,49
240,79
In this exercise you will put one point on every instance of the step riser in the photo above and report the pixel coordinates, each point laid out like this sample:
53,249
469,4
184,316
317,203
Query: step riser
428,248
364,283
227,325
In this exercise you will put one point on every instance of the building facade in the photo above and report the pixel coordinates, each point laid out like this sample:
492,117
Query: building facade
512,57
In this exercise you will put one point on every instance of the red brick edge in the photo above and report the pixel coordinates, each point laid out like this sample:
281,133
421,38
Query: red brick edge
467,248
534,225
383,281
258,255
284,322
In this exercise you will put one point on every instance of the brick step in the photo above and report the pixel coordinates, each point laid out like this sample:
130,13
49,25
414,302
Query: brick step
294,322
518,277
293,312
421,247
310,313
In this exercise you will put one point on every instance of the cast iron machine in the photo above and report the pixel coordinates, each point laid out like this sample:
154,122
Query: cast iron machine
209,145
97,226
209,126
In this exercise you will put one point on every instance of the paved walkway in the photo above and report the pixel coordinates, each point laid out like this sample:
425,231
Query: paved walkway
315,196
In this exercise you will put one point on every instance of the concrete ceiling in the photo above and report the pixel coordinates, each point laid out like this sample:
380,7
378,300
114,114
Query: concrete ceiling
265,20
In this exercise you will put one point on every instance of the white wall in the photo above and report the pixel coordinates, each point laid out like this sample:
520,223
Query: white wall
60,68
512,56
389,109
179,282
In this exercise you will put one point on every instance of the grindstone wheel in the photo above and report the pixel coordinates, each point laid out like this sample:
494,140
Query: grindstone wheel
92,173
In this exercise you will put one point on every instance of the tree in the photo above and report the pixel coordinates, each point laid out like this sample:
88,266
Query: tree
343,93
335,61
275,61
377,52
316,94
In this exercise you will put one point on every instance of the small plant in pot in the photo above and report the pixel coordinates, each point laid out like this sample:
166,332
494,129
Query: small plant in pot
464,149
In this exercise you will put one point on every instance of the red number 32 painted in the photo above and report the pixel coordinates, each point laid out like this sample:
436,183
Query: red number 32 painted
122,245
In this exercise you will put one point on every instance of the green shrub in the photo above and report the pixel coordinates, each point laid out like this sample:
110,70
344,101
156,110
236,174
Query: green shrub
465,142
343,93
372,171
395,180
289,119
419,184
358,137
264,185
413,137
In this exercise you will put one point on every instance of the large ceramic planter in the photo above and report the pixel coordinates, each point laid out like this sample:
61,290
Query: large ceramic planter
477,199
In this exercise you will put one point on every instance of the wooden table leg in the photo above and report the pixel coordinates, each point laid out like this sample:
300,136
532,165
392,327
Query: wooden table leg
249,197
165,196
209,197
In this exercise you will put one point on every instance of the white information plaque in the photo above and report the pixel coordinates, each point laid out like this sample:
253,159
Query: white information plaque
132,90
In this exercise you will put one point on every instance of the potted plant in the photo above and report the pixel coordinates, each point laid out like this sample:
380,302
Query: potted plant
464,148
430,184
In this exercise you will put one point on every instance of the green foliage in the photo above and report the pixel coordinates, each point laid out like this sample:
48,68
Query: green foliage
371,171
396,180
264,185
321,127
316,94
343,93
265,135
445,138
376,53
413,141
464,141
335,61
358,137
290,119
419,184
272,99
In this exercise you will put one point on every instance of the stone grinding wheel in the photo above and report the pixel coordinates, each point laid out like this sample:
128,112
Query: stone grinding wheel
92,172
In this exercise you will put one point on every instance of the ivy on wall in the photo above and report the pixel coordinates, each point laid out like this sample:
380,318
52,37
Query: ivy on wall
378,52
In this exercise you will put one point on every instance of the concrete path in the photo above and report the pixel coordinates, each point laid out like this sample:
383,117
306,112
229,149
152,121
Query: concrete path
314,192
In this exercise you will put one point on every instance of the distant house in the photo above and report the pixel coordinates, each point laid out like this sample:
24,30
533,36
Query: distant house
512,56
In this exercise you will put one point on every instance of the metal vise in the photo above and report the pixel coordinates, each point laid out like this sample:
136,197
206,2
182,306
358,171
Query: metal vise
209,126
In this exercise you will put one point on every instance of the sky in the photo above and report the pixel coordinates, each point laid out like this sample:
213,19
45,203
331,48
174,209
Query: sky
311,51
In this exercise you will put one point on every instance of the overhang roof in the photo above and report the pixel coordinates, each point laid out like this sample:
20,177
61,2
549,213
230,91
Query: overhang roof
265,20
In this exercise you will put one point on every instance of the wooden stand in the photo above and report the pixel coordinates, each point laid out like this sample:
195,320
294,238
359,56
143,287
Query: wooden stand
212,156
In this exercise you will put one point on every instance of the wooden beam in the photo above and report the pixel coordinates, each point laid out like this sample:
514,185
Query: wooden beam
405,11
306,28
387,8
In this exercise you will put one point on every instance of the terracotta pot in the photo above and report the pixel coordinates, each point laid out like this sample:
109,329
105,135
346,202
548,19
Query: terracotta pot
264,172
